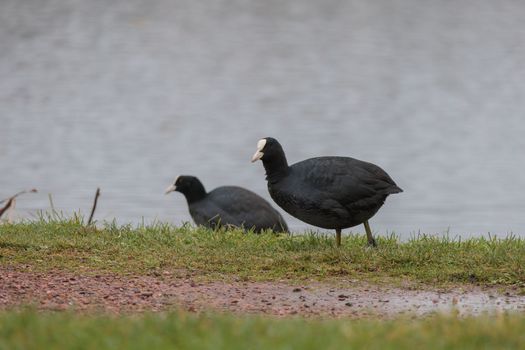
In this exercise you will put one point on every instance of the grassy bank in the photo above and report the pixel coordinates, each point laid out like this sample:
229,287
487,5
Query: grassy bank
180,330
222,255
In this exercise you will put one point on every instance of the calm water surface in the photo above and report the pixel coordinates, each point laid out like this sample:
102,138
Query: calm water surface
126,95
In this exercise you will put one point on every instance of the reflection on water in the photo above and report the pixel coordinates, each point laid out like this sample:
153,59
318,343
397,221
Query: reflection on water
126,96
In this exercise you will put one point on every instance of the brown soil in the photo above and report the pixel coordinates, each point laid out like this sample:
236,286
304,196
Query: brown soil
59,290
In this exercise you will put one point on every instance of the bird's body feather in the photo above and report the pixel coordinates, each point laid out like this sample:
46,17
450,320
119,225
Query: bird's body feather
236,206
332,192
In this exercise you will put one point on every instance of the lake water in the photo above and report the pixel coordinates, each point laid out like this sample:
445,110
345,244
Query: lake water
127,94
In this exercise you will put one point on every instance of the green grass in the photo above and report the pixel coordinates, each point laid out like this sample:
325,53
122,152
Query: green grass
67,244
180,330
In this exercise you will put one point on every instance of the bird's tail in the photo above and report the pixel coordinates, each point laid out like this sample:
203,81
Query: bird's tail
394,189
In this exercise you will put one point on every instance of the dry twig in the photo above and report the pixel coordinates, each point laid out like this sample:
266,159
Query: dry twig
97,194
11,200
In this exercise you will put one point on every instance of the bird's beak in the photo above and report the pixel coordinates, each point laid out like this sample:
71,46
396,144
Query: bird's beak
170,189
258,155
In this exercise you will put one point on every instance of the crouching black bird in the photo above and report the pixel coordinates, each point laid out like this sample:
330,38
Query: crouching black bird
328,192
227,206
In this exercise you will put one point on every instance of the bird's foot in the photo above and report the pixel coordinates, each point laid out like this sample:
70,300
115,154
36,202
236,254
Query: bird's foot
372,242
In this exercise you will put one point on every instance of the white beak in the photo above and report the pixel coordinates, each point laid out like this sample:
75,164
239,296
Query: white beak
170,189
259,154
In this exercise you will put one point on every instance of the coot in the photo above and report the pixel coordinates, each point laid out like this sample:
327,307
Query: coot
328,192
227,206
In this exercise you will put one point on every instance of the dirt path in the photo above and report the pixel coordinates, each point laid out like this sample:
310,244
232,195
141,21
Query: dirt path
58,290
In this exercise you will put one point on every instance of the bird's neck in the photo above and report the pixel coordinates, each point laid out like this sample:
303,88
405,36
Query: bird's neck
196,194
276,168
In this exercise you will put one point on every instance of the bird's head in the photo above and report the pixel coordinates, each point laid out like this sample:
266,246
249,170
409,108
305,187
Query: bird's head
270,152
190,186
268,148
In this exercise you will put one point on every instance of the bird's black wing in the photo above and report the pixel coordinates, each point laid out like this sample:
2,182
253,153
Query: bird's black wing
241,207
343,180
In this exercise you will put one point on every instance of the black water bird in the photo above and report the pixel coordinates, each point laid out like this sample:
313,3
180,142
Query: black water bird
327,192
227,206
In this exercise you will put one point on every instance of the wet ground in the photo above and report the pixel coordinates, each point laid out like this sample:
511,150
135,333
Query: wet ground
59,290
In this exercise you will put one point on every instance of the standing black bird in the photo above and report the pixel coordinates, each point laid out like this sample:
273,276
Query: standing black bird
328,192
227,206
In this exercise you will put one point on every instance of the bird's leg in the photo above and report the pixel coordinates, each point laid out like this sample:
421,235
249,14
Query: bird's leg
371,240
338,237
